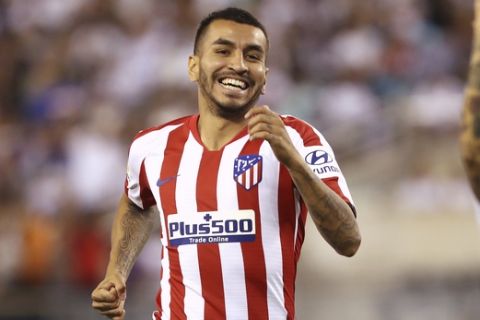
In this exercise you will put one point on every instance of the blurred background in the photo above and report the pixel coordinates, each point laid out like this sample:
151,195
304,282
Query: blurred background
381,79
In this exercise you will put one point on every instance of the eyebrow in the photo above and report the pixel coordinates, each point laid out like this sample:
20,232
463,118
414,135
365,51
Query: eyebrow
226,42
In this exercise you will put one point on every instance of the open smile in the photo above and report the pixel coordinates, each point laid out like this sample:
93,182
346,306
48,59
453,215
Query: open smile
234,84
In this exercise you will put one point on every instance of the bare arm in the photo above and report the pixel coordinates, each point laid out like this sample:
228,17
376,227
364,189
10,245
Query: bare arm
130,232
470,136
332,216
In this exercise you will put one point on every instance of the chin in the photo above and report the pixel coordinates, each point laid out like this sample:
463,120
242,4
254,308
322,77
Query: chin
232,110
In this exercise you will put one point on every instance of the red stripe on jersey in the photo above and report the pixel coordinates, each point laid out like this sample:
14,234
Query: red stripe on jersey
309,136
145,193
253,257
209,254
286,221
171,162
332,183
302,219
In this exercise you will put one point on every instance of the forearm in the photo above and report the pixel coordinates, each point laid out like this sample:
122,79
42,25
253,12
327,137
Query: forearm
470,140
470,136
332,216
130,232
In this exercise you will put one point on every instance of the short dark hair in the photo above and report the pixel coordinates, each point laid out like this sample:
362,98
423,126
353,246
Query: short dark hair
232,14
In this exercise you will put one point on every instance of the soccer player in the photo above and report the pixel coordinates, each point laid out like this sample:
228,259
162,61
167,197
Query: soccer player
232,187
470,137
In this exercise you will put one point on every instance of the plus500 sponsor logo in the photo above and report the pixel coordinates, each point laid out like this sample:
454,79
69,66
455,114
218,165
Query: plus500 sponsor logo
211,227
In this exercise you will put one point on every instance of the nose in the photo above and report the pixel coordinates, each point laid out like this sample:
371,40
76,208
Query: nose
237,63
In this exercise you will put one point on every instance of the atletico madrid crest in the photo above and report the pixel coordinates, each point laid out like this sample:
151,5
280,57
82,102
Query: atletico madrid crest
247,170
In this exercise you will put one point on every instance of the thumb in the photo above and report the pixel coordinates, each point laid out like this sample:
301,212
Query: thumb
121,290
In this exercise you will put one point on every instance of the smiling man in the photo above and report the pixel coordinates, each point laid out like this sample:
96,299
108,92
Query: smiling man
232,187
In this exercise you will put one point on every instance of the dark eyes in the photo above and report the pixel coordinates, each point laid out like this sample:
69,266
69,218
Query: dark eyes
248,56
222,52
253,57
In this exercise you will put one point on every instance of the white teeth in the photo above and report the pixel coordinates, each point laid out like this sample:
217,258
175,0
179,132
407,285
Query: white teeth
234,82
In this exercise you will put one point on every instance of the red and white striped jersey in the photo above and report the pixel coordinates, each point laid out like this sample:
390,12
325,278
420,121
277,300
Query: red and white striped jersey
232,221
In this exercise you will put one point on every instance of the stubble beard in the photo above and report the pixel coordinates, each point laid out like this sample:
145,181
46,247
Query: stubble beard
230,112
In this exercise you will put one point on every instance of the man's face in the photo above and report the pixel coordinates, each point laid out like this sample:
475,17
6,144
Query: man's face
230,66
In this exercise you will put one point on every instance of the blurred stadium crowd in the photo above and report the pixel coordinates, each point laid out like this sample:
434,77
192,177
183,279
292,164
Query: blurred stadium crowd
78,79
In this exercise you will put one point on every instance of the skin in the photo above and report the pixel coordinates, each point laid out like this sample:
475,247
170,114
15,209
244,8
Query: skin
238,51
470,134
130,232
227,49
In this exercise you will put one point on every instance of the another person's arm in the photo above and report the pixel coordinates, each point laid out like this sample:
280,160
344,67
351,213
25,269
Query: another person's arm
470,136
130,231
332,216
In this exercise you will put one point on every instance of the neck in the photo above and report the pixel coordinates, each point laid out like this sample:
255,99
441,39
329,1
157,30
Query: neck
216,130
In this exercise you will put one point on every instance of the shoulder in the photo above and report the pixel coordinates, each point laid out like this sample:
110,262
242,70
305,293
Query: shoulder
303,130
163,127
146,140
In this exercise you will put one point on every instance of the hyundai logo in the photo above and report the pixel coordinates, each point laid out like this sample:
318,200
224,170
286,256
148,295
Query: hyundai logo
318,157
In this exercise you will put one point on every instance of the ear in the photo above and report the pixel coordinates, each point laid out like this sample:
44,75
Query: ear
264,87
193,68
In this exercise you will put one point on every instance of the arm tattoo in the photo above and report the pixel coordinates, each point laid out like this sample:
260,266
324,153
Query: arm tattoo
333,218
470,131
335,224
136,226
472,93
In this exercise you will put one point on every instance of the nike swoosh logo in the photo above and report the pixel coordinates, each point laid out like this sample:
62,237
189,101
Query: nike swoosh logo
161,182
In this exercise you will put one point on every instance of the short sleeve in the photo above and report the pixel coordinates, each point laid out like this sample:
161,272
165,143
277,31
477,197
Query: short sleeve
137,188
319,156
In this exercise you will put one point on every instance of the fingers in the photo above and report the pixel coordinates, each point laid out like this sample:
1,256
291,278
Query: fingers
105,300
260,130
109,299
105,293
117,313
121,290
110,290
258,109
264,123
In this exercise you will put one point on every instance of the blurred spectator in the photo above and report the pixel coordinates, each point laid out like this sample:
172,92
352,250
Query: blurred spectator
39,249
87,251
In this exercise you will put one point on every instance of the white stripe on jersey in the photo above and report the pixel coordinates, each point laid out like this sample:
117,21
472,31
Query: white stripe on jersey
231,256
165,284
247,178
155,140
154,164
186,202
272,247
298,210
